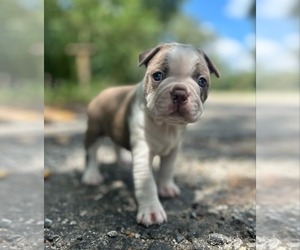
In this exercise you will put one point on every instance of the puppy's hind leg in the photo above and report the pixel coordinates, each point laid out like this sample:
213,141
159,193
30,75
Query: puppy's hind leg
166,185
123,157
91,175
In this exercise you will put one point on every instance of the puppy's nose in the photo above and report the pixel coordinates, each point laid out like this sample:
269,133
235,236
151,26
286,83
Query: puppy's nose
179,96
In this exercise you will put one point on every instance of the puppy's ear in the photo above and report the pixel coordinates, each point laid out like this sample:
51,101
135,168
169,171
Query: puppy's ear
212,68
147,55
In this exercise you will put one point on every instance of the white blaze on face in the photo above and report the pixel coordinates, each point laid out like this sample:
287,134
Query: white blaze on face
182,61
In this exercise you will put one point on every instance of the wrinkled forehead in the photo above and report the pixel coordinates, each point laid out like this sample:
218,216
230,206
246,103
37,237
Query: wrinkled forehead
182,60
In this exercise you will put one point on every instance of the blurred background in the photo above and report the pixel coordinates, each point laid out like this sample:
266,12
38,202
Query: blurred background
277,124
93,44
21,124
61,53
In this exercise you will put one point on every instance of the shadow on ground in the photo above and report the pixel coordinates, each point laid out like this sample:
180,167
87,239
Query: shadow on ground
80,217
216,208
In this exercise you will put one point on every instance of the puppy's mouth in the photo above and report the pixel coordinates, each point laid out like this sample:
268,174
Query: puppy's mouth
176,105
183,105
187,112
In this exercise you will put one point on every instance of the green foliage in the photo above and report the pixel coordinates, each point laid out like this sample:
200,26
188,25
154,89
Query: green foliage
21,40
119,31
69,93
238,81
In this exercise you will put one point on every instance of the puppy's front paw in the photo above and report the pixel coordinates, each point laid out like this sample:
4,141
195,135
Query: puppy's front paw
92,177
151,215
169,190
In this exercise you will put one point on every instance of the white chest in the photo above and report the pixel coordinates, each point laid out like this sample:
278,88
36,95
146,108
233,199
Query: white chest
159,139
162,139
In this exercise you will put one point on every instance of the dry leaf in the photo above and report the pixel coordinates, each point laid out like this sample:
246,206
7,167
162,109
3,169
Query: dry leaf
3,173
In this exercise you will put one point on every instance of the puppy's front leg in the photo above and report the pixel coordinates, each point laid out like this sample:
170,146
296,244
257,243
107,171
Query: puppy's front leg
150,210
166,185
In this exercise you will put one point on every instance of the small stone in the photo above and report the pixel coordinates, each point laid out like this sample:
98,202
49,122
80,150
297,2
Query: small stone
128,233
29,221
218,239
83,213
73,222
64,221
295,245
41,222
137,236
179,238
9,238
49,238
5,222
193,215
98,197
112,234
237,243
56,237
253,245
47,223
273,243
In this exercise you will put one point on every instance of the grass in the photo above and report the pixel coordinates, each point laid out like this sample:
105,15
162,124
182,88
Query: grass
69,93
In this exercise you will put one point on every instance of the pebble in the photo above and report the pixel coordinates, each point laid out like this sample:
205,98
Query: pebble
41,222
137,235
73,222
295,245
47,223
49,238
64,221
83,213
218,239
237,243
5,222
273,243
179,238
193,215
112,234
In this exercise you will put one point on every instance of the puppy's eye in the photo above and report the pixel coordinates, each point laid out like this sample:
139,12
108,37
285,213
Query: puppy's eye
202,82
157,76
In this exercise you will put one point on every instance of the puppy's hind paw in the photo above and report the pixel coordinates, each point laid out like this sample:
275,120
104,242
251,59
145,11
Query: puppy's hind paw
92,178
169,190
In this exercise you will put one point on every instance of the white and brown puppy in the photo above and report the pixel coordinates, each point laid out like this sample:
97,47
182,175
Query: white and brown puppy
149,118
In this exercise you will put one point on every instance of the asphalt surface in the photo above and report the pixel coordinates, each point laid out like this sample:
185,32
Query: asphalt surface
226,203
21,183
215,171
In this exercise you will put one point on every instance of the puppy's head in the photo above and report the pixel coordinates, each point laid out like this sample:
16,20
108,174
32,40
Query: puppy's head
176,82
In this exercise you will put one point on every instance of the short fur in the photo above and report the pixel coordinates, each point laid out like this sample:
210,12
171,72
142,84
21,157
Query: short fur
148,119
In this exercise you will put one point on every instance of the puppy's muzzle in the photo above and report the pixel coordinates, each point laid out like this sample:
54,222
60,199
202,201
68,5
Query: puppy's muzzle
179,96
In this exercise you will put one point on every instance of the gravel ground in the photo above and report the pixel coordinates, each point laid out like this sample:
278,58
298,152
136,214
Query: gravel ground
215,171
21,192
222,205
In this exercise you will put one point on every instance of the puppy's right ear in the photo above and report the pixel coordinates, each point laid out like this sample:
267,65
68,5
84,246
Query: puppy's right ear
147,55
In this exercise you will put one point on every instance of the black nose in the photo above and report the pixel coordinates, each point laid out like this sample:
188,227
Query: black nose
179,96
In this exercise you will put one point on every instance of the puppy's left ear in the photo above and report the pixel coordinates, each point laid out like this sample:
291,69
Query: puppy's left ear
147,55
212,68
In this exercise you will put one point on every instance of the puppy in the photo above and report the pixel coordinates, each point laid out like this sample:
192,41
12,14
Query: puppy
149,119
